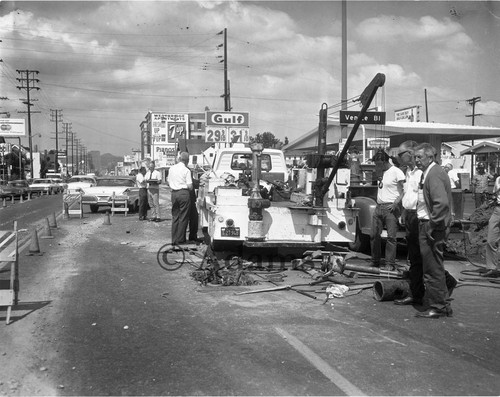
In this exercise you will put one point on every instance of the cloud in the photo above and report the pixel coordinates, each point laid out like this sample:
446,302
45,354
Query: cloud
488,108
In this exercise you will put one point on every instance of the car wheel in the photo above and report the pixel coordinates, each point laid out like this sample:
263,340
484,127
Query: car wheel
94,208
361,242
134,207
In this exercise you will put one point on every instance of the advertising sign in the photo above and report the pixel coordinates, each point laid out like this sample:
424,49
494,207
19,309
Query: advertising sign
350,117
411,114
12,127
227,127
376,143
177,126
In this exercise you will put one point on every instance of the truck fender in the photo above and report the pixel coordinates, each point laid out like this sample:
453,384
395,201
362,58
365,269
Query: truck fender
366,207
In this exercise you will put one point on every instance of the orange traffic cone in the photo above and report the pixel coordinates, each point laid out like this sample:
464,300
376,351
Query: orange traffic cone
107,220
52,221
46,231
4,204
34,248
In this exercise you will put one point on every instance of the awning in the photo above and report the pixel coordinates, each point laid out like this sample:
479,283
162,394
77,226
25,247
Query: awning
482,147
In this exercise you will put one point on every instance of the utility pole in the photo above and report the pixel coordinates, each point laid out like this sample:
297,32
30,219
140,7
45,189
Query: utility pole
76,152
67,129
27,77
343,127
226,95
426,108
56,116
473,102
72,154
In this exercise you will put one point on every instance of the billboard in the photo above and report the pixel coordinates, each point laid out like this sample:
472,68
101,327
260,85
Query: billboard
169,127
411,114
12,127
227,127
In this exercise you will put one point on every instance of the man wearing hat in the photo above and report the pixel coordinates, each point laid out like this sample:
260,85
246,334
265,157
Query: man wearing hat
479,184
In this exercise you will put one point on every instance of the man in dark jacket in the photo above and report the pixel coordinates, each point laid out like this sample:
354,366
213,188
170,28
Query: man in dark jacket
434,215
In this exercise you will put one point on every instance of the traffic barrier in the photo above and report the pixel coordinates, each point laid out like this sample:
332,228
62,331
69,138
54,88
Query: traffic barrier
34,248
4,203
9,253
72,205
53,221
21,200
119,201
107,220
47,233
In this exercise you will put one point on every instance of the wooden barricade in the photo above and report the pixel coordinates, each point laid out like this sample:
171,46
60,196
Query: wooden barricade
72,204
9,254
117,202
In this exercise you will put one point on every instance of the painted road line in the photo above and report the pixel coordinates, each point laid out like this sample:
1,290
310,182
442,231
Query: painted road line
321,365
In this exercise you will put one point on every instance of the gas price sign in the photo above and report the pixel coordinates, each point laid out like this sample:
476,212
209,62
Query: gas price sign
227,127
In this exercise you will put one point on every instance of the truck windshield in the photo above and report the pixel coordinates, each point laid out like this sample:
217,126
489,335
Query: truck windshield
243,161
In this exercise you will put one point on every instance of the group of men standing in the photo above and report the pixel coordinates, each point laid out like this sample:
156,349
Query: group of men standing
182,186
422,198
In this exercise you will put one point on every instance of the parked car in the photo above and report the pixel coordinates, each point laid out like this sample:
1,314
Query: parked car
16,188
59,182
101,194
44,186
79,183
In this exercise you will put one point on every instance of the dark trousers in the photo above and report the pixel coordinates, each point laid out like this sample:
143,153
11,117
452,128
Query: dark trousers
193,217
143,202
416,271
181,202
434,274
383,216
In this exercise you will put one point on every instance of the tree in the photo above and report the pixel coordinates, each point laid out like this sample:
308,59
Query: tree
267,139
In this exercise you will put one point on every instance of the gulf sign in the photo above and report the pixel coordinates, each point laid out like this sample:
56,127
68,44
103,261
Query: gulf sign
226,119
12,127
227,127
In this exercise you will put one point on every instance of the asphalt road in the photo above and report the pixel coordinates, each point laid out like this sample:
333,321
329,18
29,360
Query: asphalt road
98,316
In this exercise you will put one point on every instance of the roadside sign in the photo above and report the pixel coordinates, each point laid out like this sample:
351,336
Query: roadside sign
350,117
12,127
227,127
376,143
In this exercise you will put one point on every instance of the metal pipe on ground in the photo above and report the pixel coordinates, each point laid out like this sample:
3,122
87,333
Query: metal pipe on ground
388,290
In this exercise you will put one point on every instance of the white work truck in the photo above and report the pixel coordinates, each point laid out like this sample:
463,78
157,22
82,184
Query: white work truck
288,218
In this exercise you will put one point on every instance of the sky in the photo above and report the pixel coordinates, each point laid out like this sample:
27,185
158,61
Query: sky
104,65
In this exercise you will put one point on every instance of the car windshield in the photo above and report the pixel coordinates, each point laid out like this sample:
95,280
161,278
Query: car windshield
75,179
38,181
17,184
116,182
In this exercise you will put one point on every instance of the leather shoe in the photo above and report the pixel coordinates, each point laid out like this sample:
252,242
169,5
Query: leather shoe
407,301
435,313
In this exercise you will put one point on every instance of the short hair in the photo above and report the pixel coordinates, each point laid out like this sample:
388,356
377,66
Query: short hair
408,146
427,148
381,155
184,157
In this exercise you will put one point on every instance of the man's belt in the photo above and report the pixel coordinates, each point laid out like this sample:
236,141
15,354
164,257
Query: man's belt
178,190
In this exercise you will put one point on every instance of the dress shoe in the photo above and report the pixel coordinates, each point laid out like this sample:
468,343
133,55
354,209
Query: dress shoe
407,301
435,313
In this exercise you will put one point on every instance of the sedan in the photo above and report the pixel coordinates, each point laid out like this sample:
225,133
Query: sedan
79,183
123,187
17,188
44,186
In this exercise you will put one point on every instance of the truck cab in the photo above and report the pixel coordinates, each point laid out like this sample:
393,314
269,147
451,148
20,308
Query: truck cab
289,220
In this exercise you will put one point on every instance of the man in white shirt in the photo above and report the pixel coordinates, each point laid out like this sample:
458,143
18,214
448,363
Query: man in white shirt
153,178
181,183
452,174
387,211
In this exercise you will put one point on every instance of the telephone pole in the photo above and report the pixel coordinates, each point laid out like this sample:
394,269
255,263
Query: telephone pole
56,116
67,129
473,102
28,82
226,95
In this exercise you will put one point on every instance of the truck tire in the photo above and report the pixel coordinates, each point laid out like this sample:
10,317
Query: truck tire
361,242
